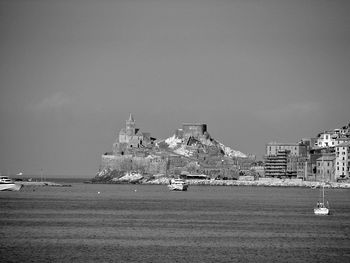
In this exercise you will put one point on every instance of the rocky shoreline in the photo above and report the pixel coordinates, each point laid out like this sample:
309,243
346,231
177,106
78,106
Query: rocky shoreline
28,184
262,183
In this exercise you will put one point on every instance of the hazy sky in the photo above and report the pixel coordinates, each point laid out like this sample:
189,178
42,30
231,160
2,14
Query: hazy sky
254,71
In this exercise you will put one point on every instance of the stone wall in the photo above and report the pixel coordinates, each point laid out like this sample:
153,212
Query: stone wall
134,163
193,129
164,164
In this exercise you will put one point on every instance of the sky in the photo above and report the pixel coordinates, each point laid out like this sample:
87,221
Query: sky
254,71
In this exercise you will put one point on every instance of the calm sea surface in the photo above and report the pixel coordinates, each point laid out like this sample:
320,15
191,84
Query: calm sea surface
141,223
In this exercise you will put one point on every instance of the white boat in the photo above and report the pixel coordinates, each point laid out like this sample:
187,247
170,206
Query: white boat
7,184
322,208
178,185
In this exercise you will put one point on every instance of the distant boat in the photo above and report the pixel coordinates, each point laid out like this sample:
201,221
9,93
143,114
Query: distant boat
177,185
20,173
6,184
322,208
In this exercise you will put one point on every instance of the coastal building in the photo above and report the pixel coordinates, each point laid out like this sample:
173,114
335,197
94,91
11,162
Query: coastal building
325,168
326,139
276,164
311,164
342,161
333,138
295,149
283,160
341,140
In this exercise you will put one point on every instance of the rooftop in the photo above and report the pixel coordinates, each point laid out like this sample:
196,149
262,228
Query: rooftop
344,144
326,158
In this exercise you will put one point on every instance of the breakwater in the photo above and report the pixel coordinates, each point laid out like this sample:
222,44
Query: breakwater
263,183
52,184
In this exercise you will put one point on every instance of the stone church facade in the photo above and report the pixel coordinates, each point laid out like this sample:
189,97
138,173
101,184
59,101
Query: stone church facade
131,138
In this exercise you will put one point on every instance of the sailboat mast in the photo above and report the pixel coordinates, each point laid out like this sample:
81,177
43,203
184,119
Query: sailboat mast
322,180
323,193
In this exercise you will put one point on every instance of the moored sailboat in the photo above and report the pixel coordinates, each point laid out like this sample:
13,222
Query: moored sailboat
322,208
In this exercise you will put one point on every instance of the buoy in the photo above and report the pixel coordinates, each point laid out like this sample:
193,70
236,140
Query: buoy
135,190
98,192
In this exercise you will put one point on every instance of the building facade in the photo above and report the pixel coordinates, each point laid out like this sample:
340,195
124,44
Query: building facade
295,149
325,168
285,160
131,138
342,161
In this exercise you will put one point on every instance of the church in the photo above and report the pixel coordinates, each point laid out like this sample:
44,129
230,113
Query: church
131,138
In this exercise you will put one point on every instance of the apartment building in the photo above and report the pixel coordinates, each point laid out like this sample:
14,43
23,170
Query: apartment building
326,139
325,168
295,149
342,161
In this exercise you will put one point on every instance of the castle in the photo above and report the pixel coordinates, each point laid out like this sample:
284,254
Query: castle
135,150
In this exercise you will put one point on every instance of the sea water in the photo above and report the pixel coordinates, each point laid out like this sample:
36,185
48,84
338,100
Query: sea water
149,223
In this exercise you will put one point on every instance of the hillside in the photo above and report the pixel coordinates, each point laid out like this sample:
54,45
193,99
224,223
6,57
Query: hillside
191,146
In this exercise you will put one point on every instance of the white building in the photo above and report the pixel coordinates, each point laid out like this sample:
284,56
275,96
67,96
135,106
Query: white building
332,138
326,139
342,161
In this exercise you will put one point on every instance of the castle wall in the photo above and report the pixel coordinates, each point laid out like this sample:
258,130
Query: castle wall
134,163
193,129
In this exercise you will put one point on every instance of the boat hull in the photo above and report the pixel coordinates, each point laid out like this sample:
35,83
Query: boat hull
10,187
174,187
321,211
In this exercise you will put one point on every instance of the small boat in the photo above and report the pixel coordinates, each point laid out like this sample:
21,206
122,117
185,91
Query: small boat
322,208
178,185
6,184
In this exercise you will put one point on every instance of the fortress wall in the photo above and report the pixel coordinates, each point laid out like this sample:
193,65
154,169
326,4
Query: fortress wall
157,165
129,163
193,129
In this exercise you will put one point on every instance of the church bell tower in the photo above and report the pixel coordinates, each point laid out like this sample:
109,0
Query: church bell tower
130,126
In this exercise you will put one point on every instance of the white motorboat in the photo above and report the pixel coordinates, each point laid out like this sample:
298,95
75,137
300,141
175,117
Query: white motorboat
7,184
178,185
